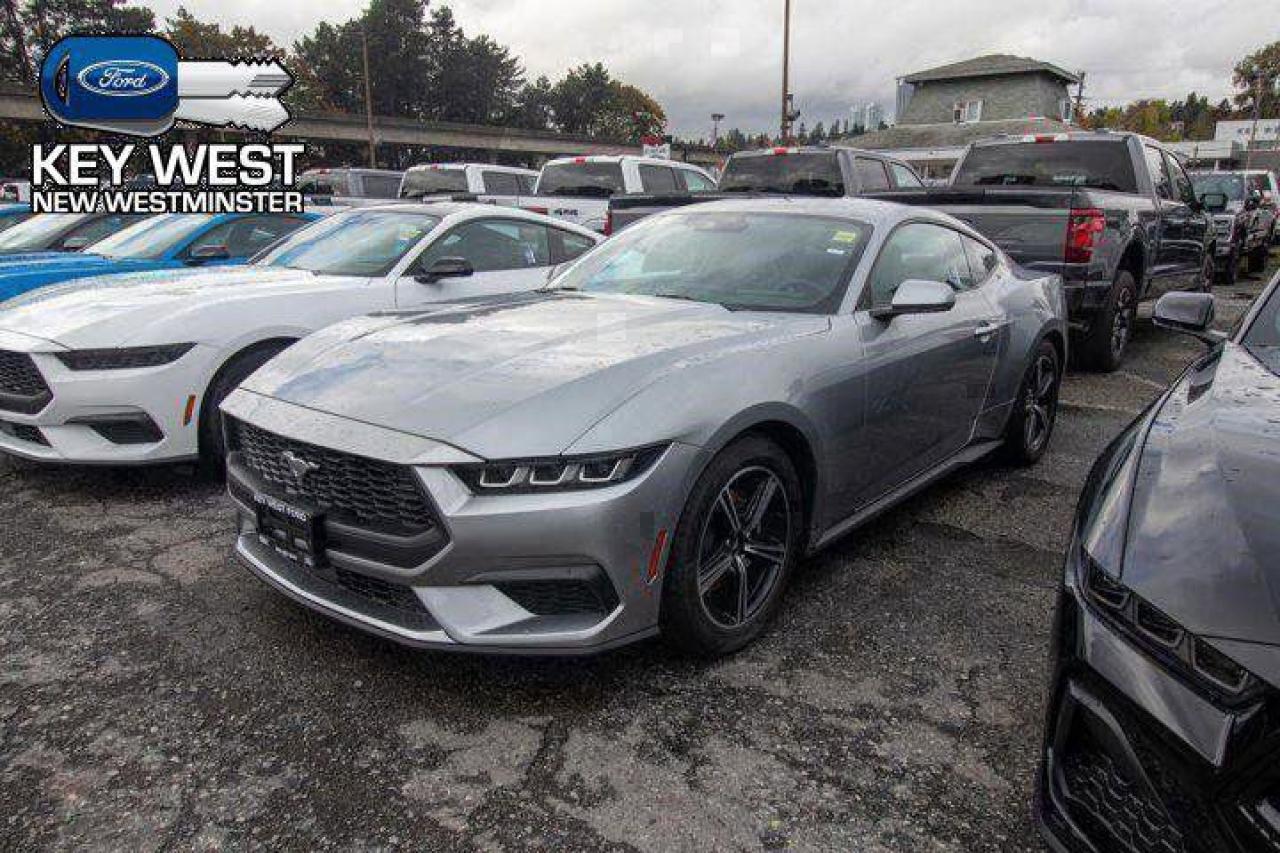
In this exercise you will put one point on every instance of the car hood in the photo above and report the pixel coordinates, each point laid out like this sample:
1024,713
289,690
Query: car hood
546,365
1204,528
19,277
106,310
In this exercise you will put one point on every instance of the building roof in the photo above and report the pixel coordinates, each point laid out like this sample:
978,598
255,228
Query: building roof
949,135
991,65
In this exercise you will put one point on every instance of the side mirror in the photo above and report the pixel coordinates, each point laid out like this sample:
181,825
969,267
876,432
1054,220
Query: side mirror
75,244
1188,313
917,296
443,268
1214,201
212,252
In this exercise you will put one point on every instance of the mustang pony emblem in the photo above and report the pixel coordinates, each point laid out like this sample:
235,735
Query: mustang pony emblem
298,466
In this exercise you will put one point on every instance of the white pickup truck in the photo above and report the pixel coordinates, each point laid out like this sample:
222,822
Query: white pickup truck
578,189
488,183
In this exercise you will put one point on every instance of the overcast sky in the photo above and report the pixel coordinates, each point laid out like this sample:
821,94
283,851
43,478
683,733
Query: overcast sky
703,56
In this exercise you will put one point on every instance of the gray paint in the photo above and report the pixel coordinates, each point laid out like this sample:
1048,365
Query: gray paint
1004,97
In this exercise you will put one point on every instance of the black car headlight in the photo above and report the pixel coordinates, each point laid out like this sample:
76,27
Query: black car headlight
1188,655
125,358
557,474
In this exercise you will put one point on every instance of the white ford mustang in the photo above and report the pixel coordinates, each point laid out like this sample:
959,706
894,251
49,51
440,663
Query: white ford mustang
130,369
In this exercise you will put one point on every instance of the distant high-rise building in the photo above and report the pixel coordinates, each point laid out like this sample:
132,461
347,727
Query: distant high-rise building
868,116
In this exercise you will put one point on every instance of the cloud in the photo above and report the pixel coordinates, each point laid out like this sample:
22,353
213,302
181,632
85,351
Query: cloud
703,56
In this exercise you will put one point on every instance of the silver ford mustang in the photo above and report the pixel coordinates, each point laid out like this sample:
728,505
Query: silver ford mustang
650,443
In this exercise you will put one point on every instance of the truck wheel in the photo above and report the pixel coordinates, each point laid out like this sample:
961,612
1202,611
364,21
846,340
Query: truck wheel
1104,346
1258,258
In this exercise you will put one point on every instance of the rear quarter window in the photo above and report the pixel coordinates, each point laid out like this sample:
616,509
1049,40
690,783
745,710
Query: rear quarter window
798,174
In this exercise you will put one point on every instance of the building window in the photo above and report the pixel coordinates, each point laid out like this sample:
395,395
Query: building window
1066,110
964,112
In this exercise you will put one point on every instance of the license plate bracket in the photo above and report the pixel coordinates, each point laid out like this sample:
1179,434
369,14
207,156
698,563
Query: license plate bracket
294,531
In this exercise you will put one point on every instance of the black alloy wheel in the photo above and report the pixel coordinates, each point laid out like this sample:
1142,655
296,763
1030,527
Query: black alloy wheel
1036,409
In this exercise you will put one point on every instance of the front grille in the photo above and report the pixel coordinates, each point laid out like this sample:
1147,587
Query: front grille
22,388
1114,807
353,490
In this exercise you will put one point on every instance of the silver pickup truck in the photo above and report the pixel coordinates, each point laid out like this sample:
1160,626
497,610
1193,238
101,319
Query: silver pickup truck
800,171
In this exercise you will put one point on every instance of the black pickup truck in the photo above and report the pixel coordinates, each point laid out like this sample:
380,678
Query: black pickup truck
1113,213
806,170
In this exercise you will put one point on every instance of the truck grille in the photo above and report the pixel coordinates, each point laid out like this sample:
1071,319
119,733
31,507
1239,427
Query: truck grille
352,490
22,388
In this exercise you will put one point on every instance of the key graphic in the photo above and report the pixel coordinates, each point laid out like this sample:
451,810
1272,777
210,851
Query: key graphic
138,85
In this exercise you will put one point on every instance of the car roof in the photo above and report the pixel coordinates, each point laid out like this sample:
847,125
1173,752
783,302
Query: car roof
619,158
493,167
473,209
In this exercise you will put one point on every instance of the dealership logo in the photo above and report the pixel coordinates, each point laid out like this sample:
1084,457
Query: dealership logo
138,85
123,79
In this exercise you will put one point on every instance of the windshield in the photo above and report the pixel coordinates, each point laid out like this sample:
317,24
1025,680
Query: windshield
38,232
433,179
1232,186
796,174
587,179
755,261
1079,163
358,243
1265,331
152,238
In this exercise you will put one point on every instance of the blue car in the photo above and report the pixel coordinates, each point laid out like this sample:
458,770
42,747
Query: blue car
61,232
12,214
158,243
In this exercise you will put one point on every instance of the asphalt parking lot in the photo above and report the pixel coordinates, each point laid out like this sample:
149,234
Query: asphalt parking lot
154,696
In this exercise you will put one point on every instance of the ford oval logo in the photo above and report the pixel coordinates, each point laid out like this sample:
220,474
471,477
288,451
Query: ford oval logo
117,78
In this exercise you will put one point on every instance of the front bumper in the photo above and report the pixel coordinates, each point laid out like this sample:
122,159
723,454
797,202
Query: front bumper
1135,759
563,573
116,417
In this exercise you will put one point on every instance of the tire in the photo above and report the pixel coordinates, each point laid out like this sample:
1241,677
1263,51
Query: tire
213,448
1258,258
704,611
1231,267
1104,346
1035,412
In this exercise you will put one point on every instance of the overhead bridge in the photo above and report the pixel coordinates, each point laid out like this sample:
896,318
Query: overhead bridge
20,104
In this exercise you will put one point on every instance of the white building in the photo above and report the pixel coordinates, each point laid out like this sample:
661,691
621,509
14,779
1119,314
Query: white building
868,116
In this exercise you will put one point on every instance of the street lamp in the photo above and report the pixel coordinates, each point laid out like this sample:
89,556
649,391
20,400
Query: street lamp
716,118
786,71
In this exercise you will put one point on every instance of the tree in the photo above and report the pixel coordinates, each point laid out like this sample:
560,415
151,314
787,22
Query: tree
196,39
1262,65
32,27
535,106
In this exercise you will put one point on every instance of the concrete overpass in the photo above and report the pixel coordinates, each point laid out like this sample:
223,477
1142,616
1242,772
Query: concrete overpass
20,104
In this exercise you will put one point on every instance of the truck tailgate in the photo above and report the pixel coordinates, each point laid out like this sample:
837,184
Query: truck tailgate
1031,225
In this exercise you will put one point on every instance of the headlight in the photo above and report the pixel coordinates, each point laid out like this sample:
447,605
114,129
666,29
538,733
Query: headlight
123,359
1164,639
557,474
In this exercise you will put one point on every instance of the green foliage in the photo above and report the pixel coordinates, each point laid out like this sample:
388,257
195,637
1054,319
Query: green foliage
1262,65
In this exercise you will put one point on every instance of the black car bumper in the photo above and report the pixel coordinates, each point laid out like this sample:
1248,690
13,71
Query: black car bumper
1135,759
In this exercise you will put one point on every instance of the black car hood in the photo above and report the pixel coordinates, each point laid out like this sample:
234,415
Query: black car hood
1204,527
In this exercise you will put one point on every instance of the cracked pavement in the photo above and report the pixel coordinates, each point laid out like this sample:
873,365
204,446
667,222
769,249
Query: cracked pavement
154,696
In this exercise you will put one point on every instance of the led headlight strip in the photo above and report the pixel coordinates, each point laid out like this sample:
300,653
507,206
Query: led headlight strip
557,474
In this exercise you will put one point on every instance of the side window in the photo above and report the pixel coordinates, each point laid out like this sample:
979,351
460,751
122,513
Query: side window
1159,175
245,237
695,182
380,186
527,183
1181,183
922,251
501,183
982,260
657,179
492,245
904,177
570,245
871,174
96,229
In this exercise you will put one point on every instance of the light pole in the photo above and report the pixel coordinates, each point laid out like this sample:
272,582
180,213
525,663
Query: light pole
368,99
716,118
786,71
1257,113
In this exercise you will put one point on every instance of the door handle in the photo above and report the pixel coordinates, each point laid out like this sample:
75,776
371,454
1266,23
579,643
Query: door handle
988,329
